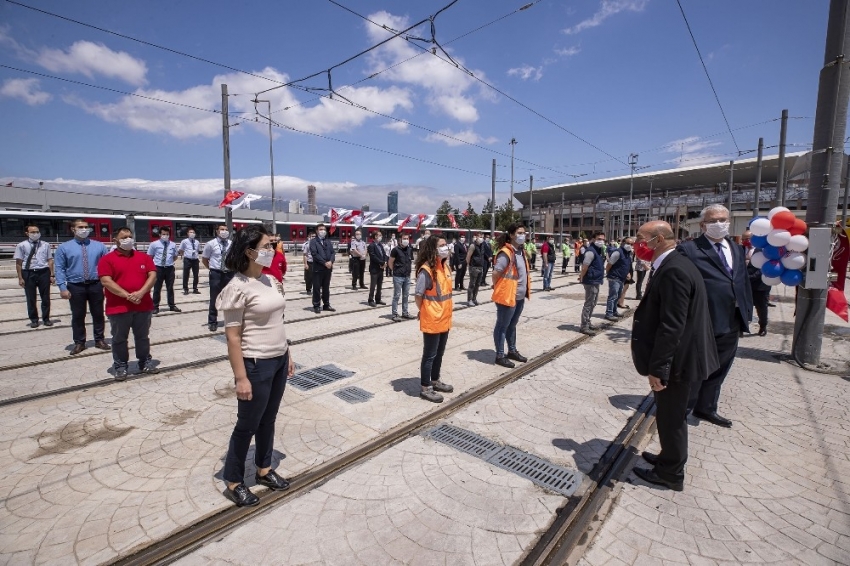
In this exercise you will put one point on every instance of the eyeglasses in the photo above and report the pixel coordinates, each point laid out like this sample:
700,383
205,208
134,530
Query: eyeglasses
268,246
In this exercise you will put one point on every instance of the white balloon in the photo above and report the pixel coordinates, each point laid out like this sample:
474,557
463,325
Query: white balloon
794,260
778,238
776,210
771,280
797,243
758,260
760,227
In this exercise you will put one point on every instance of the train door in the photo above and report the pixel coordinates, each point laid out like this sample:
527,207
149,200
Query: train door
101,229
297,233
156,225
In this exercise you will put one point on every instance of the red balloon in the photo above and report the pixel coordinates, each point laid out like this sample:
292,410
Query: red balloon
783,220
799,228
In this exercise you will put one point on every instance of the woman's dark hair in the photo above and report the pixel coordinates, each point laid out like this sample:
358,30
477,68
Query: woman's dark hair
428,252
503,238
246,238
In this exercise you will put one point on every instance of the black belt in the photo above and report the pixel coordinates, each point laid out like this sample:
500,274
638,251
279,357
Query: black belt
219,270
89,282
35,270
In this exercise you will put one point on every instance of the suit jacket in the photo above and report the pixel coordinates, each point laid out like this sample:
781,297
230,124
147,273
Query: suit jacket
460,254
672,337
377,257
322,251
729,298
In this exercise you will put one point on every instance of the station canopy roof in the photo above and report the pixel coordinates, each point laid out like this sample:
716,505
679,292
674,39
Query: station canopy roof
681,179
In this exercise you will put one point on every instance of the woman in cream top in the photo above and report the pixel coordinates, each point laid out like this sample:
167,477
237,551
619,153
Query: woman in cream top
253,306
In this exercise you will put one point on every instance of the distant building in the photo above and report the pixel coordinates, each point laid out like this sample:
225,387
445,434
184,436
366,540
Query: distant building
311,200
295,207
365,207
392,202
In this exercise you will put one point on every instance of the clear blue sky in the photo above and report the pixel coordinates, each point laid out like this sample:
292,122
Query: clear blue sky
622,74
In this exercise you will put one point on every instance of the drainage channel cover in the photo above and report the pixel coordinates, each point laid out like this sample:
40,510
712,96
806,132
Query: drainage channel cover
545,474
318,376
354,395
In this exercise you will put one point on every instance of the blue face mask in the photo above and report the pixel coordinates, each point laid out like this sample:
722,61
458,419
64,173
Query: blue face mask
520,240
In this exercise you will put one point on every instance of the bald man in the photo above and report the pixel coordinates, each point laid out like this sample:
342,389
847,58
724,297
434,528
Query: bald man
672,345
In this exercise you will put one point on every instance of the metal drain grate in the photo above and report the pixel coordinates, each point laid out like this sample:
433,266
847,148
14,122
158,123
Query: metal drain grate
543,473
465,441
537,470
318,376
354,395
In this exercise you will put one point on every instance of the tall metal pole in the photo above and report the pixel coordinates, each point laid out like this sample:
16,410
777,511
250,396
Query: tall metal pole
846,194
780,175
826,170
622,217
513,143
271,164
561,223
731,184
633,159
650,217
531,201
225,133
757,196
493,202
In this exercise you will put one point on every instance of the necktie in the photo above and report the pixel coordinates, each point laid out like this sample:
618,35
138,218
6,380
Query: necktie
33,249
85,249
722,255
164,254
649,280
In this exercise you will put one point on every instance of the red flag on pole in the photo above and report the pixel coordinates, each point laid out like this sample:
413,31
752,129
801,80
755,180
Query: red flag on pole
229,198
422,217
334,220
837,303
465,213
452,220
405,221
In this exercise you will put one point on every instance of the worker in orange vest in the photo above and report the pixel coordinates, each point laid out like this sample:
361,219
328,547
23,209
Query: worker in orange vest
434,301
511,287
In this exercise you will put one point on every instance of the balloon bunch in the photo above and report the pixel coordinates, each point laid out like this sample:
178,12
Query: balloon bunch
781,239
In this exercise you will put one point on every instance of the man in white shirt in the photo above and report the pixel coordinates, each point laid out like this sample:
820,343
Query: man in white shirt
213,259
357,251
34,265
189,251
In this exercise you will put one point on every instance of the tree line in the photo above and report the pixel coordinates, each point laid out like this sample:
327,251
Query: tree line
472,220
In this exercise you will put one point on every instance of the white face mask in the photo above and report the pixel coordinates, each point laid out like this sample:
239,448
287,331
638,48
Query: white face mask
34,237
164,237
551,241
126,243
627,247
264,257
405,243
599,243
443,251
520,239
223,234
82,233
357,237
191,235
717,230
322,233
462,240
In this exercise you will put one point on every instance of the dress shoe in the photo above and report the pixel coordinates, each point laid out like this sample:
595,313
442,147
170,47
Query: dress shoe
173,308
34,324
770,304
515,355
650,476
156,310
317,310
649,457
48,322
353,288
101,345
504,362
196,292
714,418
272,481
328,308
372,304
213,326
121,374
77,349
381,303
242,496
762,330
185,291
442,387
362,287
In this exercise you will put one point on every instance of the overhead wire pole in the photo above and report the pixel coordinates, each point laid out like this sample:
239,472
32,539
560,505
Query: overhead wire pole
493,201
757,196
513,143
531,202
730,186
780,175
824,181
271,159
633,159
225,133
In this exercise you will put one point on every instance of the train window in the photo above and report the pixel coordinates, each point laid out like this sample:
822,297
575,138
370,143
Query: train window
11,227
104,230
154,230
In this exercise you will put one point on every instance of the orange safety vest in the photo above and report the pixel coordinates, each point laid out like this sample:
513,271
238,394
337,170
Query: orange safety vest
504,291
435,316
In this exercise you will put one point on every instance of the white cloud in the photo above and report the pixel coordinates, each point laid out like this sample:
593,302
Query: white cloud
92,59
527,72
607,9
183,122
467,135
568,51
27,90
448,89
398,127
692,151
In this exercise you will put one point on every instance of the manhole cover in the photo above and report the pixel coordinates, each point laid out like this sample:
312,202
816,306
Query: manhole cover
318,376
465,441
354,395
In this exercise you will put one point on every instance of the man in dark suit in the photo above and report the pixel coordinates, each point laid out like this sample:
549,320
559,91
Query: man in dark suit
324,256
723,266
460,262
673,345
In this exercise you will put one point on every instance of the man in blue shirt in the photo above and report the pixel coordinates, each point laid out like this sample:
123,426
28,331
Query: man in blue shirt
213,258
189,250
163,252
75,264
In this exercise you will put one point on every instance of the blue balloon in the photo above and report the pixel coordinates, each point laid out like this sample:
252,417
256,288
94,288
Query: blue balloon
771,252
758,241
773,268
791,277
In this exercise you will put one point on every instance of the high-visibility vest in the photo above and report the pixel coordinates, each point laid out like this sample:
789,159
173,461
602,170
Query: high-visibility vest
435,316
504,290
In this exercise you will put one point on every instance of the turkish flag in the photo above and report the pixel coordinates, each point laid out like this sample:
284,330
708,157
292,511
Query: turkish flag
229,198
406,220
421,218
840,257
837,302
465,213
452,220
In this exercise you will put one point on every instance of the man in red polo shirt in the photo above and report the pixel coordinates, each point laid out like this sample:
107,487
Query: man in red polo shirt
127,277
278,267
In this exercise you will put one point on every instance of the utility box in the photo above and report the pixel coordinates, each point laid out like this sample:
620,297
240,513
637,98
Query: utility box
819,258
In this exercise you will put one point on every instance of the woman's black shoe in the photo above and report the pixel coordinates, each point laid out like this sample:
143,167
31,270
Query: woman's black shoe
763,331
272,481
242,496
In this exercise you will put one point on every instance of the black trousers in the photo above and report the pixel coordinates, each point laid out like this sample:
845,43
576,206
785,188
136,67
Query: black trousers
255,418
460,275
218,281
37,281
760,300
321,286
432,357
358,268
564,262
192,265
376,281
308,276
671,413
485,272
705,398
140,323
85,295
641,275
164,275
